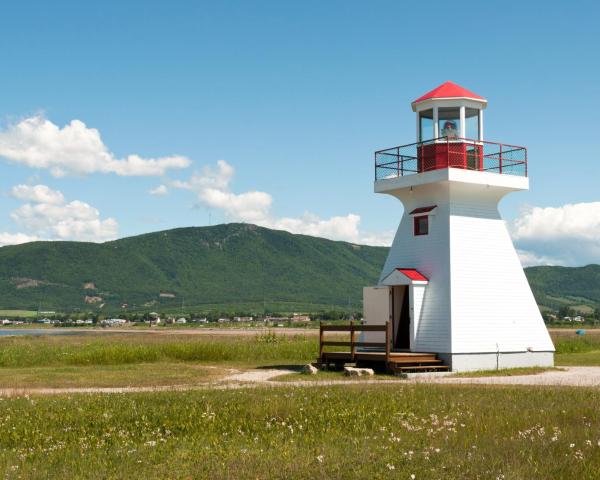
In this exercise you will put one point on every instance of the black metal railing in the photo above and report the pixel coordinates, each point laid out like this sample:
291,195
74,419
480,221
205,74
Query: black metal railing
447,152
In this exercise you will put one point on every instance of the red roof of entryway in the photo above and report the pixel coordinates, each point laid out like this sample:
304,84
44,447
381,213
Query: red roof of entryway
448,90
423,210
413,274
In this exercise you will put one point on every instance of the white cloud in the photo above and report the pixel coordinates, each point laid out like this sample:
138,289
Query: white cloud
159,191
49,216
381,239
38,194
529,259
74,149
15,238
212,187
566,235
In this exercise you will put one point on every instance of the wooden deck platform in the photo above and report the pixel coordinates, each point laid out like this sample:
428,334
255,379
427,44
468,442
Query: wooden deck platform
373,353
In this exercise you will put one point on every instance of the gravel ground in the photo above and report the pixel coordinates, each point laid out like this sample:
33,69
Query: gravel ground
568,376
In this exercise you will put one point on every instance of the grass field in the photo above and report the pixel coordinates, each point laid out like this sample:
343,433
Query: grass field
128,375
143,359
385,431
121,349
119,359
573,349
18,313
343,431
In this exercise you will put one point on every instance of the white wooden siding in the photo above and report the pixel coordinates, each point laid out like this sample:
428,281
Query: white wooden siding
478,299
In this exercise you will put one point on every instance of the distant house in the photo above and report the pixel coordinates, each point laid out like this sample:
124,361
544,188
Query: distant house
243,319
200,320
300,318
578,318
223,320
166,295
277,319
181,320
114,321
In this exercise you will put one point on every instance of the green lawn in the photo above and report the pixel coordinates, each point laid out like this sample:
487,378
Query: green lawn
374,431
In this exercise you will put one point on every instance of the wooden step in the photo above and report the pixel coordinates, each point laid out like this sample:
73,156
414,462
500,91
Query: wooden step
420,367
405,360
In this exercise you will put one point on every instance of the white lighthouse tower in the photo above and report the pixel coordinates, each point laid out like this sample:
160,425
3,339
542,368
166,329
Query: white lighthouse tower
452,283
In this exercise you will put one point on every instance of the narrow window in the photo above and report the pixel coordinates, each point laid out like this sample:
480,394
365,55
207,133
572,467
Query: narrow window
421,225
425,125
472,123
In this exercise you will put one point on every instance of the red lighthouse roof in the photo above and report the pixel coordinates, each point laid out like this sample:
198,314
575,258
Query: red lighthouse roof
449,90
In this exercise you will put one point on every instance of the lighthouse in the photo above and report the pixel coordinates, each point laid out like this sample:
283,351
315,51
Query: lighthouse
452,283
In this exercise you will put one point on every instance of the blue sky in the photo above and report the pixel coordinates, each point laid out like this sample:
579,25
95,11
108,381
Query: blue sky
295,98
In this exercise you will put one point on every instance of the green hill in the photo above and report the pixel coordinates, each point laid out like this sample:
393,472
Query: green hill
555,287
232,264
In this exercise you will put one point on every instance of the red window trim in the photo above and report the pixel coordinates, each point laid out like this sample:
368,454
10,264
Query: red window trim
416,230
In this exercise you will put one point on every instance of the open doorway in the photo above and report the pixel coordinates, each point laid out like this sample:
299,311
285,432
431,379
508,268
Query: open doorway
401,317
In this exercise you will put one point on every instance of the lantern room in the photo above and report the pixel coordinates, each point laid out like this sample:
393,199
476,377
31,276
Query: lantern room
450,128
449,111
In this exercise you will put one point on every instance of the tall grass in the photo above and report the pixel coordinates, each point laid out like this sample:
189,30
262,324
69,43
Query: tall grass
431,432
109,350
577,344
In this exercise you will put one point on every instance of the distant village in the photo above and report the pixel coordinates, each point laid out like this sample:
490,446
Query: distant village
155,319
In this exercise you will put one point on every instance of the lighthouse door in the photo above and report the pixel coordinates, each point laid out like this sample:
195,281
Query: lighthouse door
401,317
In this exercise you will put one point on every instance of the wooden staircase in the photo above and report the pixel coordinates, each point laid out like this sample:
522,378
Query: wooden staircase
415,362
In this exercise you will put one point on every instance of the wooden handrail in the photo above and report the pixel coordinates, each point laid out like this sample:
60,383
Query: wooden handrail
332,343
353,344
358,328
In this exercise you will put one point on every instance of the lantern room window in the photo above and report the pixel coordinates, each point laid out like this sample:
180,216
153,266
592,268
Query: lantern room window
421,225
426,125
449,122
472,123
